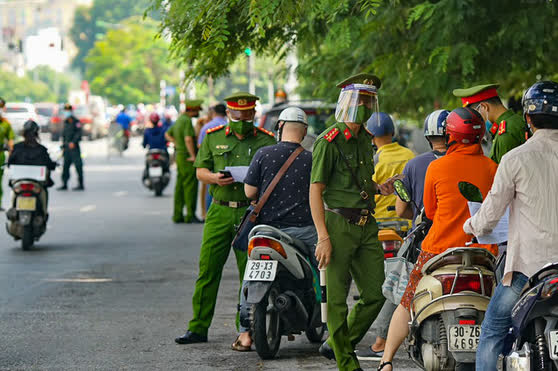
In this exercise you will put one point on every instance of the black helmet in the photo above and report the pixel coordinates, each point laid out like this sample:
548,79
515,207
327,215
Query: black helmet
30,128
541,98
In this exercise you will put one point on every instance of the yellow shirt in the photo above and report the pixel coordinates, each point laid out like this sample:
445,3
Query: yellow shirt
390,160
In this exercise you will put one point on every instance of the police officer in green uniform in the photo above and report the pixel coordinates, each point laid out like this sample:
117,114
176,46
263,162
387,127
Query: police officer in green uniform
186,189
506,127
227,145
343,214
71,136
7,136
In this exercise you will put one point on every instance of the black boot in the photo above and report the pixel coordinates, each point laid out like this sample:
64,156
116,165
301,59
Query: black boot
80,187
64,187
191,338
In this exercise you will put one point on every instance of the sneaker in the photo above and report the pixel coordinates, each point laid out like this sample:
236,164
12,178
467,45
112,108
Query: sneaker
326,351
369,355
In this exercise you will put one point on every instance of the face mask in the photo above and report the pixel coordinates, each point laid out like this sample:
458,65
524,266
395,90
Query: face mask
241,127
488,125
66,114
363,114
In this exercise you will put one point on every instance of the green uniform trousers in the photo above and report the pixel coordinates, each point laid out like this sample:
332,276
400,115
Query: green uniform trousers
2,159
72,156
218,233
185,190
356,253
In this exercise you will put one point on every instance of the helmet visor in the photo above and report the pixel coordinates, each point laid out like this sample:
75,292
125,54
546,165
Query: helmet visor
357,102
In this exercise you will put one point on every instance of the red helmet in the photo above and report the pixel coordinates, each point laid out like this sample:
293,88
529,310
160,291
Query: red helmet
465,125
154,118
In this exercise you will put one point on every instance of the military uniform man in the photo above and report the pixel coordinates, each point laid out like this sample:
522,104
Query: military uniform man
71,136
506,127
342,211
186,188
6,138
227,145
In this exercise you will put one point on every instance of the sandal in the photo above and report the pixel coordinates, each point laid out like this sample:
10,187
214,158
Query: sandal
237,345
384,364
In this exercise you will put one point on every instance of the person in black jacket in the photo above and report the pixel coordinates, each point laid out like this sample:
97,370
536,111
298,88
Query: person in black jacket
31,152
71,137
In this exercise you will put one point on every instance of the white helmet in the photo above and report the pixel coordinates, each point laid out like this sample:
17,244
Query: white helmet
292,114
435,123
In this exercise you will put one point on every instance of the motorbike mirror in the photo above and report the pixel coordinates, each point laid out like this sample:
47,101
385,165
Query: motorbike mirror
402,191
470,191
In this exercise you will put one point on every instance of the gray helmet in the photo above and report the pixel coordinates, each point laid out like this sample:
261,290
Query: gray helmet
292,114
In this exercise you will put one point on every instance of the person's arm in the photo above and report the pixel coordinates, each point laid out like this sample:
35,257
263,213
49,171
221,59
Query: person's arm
11,137
144,144
429,196
403,209
253,178
251,191
76,138
168,136
496,202
191,147
207,176
323,246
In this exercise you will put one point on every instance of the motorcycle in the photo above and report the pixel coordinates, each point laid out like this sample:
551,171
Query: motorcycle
391,232
281,290
28,216
535,325
156,175
449,306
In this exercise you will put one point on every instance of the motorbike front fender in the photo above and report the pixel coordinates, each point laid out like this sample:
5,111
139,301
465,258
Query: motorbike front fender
256,291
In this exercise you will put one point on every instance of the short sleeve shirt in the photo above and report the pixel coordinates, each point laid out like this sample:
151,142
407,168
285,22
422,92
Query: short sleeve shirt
510,134
6,131
288,205
221,148
182,128
329,168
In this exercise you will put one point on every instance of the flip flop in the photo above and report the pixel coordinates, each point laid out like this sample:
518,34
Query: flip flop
237,345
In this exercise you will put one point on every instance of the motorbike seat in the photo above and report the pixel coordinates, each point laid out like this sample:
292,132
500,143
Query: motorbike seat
447,258
270,231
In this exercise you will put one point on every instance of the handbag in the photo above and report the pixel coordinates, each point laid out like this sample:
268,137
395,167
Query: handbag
250,218
397,271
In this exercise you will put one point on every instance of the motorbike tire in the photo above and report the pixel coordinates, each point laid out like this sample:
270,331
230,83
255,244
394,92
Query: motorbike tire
27,238
158,191
464,366
267,326
315,335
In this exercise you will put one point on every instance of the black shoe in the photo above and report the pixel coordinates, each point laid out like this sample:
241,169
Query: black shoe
194,220
63,188
326,351
191,338
79,188
369,355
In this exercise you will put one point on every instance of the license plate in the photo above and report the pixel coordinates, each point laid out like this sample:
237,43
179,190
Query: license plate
464,338
554,345
155,171
260,270
26,203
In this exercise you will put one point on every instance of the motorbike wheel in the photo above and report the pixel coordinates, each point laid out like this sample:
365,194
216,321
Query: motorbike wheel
27,238
158,190
465,367
316,335
267,326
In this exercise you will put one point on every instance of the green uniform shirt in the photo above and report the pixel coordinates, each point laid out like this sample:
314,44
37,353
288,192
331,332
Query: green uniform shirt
181,129
6,131
329,168
510,134
222,148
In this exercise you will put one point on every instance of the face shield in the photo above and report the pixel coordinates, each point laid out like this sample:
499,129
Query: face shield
357,102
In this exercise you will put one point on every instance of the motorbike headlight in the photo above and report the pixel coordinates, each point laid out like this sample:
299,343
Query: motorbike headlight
549,288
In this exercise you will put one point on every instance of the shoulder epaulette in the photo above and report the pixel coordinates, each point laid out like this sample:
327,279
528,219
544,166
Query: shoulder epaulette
330,136
216,128
266,132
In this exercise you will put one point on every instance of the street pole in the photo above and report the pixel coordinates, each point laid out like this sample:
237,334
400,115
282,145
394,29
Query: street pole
182,107
163,86
251,82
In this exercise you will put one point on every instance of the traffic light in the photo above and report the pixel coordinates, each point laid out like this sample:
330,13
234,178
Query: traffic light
248,52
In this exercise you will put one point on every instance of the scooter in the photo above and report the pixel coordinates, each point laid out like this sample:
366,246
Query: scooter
535,325
28,216
449,306
391,233
282,291
156,175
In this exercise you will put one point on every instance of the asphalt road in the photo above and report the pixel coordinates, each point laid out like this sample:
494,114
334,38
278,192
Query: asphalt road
109,285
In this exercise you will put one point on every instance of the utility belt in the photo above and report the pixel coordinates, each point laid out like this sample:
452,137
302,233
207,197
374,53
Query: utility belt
356,216
231,204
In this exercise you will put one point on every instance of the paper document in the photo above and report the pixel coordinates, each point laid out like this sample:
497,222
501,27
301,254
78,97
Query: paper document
238,172
500,232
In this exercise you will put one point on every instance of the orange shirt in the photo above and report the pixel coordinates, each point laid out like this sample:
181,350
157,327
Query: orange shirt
445,205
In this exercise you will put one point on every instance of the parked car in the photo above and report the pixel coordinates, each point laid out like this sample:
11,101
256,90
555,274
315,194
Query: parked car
318,112
56,123
88,127
18,113
45,112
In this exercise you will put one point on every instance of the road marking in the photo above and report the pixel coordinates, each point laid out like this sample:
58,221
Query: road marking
153,213
87,208
120,194
79,280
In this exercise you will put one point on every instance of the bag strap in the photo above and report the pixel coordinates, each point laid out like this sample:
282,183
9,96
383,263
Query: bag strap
363,194
274,183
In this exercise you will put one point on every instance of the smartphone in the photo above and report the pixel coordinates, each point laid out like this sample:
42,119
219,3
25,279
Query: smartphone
227,174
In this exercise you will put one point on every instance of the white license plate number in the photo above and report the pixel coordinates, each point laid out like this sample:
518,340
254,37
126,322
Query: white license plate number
260,270
26,203
155,171
464,338
554,345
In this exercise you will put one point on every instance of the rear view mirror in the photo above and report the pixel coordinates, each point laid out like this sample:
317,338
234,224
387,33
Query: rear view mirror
470,191
402,191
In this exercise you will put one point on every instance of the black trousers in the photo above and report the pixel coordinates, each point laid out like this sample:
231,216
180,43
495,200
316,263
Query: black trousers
72,156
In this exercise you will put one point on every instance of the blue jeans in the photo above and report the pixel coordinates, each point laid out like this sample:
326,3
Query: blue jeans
497,322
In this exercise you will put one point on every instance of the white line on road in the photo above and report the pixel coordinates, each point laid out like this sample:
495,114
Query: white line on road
80,280
87,208
120,194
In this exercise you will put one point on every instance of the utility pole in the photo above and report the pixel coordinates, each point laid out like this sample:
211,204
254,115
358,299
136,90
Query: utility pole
163,93
250,70
182,92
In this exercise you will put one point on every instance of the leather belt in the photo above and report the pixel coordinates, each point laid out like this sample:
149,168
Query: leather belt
232,204
359,217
